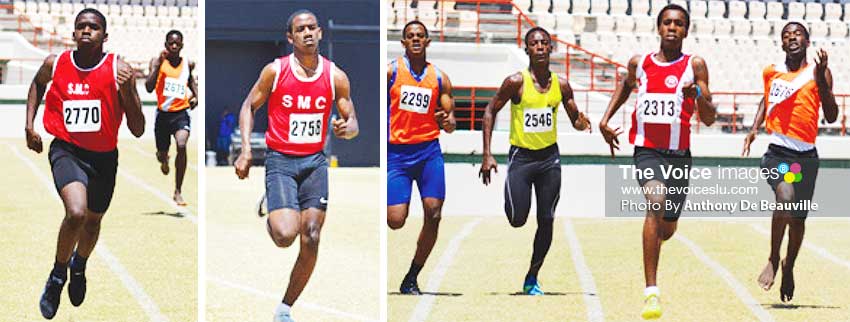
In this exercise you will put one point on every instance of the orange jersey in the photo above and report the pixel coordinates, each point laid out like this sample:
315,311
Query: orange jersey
792,102
413,101
172,86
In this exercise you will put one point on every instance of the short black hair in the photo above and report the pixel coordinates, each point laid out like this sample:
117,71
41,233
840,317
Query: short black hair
532,30
414,22
173,32
674,6
92,11
800,24
296,14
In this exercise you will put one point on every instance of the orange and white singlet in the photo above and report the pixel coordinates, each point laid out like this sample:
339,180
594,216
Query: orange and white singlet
172,86
792,106
413,102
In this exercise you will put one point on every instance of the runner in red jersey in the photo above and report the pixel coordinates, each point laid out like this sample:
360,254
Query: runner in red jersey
90,92
669,84
301,89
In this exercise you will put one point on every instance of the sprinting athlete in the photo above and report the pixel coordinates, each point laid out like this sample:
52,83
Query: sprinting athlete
89,93
670,85
420,104
793,92
301,89
534,158
171,77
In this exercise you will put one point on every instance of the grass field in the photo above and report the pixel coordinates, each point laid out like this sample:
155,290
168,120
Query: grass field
707,272
247,274
144,267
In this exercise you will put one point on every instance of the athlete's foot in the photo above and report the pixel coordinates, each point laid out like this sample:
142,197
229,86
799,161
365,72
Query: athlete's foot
49,302
651,307
261,206
282,316
531,286
409,287
768,274
77,287
786,290
163,162
178,199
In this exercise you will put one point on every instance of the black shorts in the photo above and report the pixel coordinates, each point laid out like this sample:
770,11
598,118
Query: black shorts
95,170
296,182
527,168
646,158
809,164
168,123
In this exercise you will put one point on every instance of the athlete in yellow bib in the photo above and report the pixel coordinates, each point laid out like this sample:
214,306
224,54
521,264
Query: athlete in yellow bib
176,91
534,159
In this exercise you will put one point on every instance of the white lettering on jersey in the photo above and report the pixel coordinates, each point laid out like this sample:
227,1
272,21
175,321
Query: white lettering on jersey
78,89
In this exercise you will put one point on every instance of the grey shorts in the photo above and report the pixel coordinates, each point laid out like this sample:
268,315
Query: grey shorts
296,182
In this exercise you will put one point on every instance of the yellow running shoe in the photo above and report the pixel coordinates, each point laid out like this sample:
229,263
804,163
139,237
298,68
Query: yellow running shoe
651,308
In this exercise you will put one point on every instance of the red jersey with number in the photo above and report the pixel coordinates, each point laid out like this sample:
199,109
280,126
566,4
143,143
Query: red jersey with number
82,105
299,107
413,102
662,115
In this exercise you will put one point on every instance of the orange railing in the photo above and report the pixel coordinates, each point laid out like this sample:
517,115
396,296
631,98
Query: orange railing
25,24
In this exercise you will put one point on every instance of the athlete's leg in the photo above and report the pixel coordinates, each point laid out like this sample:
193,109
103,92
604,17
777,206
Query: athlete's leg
283,226
311,223
784,192
432,208
518,188
547,187
655,229
180,138
162,136
399,185
431,182
74,199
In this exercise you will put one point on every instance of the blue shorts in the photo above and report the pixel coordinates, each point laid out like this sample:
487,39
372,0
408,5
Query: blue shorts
422,162
296,182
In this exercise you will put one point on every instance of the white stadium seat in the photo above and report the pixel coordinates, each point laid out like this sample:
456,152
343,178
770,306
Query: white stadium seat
814,11
716,9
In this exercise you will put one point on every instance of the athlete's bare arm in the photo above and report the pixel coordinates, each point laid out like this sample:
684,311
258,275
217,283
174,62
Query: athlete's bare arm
193,86
446,115
823,78
706,109
579,120
36,92
621,94
150,81
510,90
128,97
757,121
256,98
346,126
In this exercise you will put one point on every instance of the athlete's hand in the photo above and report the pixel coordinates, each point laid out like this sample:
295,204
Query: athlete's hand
689,90
193,103
821,62
611,137
340,128
163,55
124,76
33,140
582,123
243,165
489,163
445,120
747,141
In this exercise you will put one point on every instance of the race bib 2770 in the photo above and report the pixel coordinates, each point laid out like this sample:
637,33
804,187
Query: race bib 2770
82,115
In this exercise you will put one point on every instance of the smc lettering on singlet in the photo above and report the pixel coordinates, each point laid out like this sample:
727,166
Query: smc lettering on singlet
303,102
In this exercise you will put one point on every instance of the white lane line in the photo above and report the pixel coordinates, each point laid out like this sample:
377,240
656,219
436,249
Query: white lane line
810,246
130,283
152,155
730,280
159,194
300,303
423,307
588,285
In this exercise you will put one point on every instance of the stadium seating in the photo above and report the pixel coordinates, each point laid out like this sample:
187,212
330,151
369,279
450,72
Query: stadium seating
136,28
